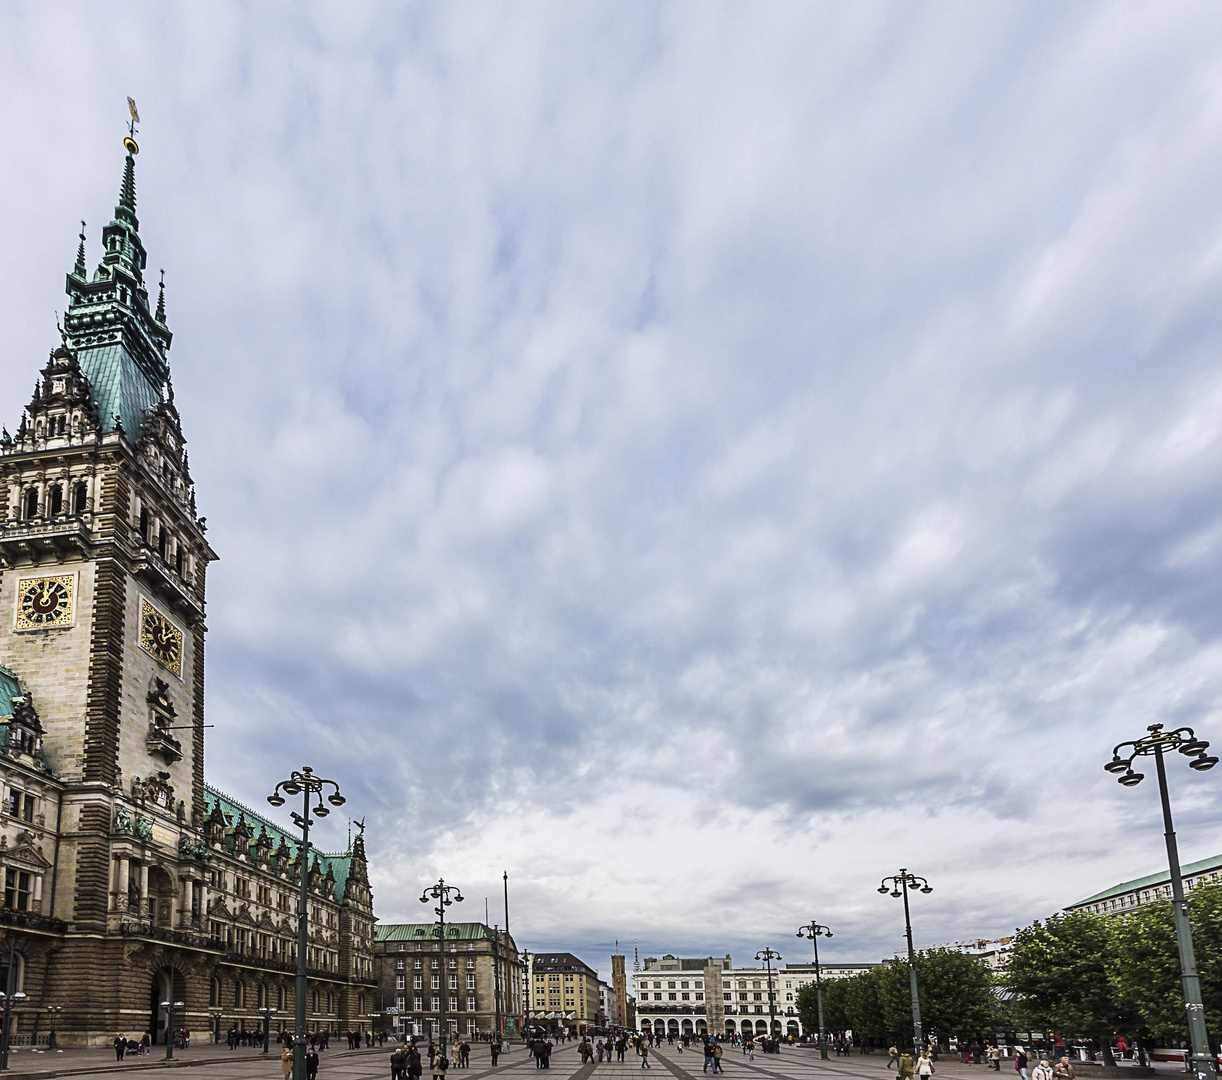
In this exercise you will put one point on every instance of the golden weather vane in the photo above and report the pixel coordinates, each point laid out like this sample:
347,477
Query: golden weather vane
130,141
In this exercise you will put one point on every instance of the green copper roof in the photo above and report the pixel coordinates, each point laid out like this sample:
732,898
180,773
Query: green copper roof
120,343
456,931
1150,880
338,862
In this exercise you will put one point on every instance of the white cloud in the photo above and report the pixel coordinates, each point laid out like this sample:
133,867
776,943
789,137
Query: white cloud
700,459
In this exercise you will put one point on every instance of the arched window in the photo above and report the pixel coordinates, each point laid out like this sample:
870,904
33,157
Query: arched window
80,497
144,525
239,994
161,538
31,503
262,996
328,1001
314,999
178,559
55,499
214,992
279,997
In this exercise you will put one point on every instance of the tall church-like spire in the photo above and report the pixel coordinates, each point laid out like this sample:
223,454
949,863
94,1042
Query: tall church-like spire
121,343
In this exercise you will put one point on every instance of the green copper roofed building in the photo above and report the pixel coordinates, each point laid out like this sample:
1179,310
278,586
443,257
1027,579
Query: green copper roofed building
1151,889
128,881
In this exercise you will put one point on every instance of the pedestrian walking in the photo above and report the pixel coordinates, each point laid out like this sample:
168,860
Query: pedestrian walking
924,1066
286,1062
717,1052
894,1059
904,1065
398,1064
1063,1070
311,1064
1042,1071
414,1065
440,1065
645,1056
1020,1062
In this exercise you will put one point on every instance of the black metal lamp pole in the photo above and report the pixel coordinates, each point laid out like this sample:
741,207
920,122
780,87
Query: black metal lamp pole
441,893
267,1013
814,931
768,955
305,784
1157,743
899,885
52,1012
170,1007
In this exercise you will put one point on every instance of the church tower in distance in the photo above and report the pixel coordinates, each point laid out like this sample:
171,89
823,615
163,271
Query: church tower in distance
127,881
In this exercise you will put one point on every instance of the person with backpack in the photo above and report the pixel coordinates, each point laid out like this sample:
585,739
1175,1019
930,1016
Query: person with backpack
440,1065
1020,1062
904,1066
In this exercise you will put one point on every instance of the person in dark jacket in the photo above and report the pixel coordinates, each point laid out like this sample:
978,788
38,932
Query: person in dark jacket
311,1063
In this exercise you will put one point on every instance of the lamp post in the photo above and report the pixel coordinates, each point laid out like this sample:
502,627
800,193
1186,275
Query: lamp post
216,1026
52,1012
1157,743
305,784
768,955
814,931
900,884
10,999
267,1012
169,1006
441,893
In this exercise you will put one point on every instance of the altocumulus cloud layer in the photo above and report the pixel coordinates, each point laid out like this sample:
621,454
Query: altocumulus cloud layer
697,458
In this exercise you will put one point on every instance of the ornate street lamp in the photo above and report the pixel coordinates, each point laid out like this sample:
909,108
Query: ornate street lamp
215,1013
814,931
10,999
305,784
52,1012
768,955
441,893
900,885
1155,745
170,1006
267,1012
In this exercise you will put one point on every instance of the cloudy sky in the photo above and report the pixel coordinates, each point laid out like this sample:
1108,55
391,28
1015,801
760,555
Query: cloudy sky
697,458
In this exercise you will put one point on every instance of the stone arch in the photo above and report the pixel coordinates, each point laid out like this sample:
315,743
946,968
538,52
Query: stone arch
162,891
731,1027
686,1026
761,1027
672,1027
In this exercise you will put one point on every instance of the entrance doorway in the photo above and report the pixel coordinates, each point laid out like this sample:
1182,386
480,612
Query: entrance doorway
160,991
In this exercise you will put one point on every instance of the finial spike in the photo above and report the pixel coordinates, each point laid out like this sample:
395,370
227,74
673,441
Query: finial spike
79,269
160,316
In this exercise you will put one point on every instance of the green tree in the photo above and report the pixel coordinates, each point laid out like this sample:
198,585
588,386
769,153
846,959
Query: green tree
1144,964
958,994
1060,970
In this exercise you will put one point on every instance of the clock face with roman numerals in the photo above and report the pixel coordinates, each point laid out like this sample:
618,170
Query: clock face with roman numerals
45,602
160,638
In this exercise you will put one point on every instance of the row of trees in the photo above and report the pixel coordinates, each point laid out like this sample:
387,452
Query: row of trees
1078,974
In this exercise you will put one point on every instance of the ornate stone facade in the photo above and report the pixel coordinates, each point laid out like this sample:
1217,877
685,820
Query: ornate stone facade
127,880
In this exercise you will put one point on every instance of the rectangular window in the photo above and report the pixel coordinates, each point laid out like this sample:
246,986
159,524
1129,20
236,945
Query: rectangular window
400,982
27,810
434,982
17,890
673,997
470,982
417,982
419,1004
454,1004
470,964
400,1003
686,997
453,982
436,1003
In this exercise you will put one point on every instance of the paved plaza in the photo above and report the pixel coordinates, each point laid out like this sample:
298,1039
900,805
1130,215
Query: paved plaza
792,1063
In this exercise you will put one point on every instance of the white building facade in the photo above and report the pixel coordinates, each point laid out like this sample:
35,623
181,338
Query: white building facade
697,996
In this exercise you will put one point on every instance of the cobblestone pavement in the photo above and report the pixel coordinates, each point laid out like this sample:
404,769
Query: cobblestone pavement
666,1063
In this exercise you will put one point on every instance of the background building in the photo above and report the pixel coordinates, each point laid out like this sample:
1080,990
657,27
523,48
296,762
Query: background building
619,982
678,995
564,992
1153,888
480,975
128,881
